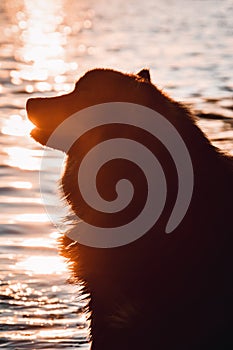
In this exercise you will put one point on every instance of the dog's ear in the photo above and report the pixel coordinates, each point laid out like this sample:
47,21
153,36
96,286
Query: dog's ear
145,74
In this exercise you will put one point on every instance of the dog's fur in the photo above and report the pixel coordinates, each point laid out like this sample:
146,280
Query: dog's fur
161,291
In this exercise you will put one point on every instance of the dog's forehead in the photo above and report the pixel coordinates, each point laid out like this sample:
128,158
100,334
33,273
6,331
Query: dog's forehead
101,76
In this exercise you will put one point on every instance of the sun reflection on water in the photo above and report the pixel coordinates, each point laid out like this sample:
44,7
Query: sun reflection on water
42,37
41,242
23,158
21,184
31,217
16,125
42,265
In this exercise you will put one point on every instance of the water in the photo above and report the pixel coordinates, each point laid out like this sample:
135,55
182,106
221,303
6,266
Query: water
45,45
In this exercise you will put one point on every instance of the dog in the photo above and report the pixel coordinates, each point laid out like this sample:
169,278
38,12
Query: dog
161,291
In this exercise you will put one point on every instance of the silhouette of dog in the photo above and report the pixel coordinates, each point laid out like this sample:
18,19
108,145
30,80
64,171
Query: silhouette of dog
162,291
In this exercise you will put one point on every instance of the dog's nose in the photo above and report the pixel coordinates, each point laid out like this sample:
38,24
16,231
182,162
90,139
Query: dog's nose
29,104
32,109
33,103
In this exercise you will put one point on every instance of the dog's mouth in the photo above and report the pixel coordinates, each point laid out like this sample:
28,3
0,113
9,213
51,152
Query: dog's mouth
40,135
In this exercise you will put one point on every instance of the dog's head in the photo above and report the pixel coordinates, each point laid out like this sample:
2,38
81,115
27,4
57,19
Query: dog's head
95,87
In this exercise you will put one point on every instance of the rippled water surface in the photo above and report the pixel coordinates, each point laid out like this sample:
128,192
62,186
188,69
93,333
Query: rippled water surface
45,45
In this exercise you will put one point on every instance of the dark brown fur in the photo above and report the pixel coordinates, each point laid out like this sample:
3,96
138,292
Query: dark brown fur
161,291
